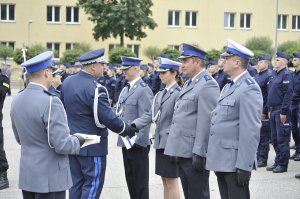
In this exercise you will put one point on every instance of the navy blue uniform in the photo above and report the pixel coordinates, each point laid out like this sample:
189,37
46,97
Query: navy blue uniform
155,82
88,168
102,80
120,84
262,79
295,111
280,91
110,85
54,91
146,80
222,78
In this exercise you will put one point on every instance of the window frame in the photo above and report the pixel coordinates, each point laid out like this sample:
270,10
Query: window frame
190,15
7,20
173,25
297,23
280,22
55,52
229,20
53,14
72,15
245,21
7,43
132,48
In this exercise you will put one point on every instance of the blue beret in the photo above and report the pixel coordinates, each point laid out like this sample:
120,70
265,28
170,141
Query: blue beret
296,55
188,50
128,62
264,57
253,62
167,64
95,56
283,55
236,49
144,67
39,62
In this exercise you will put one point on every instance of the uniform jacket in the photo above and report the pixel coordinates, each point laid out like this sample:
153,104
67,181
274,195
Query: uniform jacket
134,104
235,127
155,82
78,97
189,131
42,169
166,107
296,93
222,78
262,79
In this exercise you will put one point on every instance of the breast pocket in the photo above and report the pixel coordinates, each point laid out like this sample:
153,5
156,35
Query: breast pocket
188,103
227,107
130,107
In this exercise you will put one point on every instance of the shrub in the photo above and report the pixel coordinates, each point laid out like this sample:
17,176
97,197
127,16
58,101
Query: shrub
115,54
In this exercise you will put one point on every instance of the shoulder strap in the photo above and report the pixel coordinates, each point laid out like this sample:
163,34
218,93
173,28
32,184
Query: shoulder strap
96,97
48,127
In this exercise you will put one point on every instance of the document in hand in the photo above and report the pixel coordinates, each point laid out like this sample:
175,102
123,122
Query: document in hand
128,142
89,139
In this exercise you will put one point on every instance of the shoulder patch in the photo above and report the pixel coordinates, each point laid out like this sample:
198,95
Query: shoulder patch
207,77
143,84
249,81
49,93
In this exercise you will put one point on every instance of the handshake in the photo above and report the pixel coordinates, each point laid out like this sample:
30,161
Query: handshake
130,131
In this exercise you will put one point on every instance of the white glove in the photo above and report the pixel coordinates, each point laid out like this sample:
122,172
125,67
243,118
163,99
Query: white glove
89,139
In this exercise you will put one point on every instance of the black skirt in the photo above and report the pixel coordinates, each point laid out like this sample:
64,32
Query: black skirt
163,165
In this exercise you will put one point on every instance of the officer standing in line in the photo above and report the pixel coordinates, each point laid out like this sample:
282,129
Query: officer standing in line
40,126
252,67
120,82
280,93
135,100
222,78
110,85
4,89
295,106
235,124
262,78
154,78
213,68
189,130
56,82
161,114
89,112
144,74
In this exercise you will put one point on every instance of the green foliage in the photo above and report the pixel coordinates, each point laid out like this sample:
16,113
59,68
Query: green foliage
6,52
152,51
123,18
173,52
289,47
31,52
83,47
264,44
213,55
70,56
115,54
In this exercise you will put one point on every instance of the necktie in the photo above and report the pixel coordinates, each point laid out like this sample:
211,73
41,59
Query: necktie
189,82
164,93
231,83
128,86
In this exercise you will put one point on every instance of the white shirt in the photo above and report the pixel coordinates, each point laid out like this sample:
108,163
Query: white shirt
133,82
236,78
169,87
198,74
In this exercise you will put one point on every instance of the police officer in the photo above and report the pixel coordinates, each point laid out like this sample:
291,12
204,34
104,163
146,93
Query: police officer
189,130
154,78
144,74
295,106
161,114
262,78
280,94
221,77
135,100
110,85
40,126
120,82
252,67
235,124
4,88
88,111
56,82
212,68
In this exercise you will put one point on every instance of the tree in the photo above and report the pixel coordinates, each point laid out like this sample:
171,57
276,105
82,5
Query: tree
123,18
263,44
173,52
213,55
152,51
115,54
289,47
70,56
5,52
31,52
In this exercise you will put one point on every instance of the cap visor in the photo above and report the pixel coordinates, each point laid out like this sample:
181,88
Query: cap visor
124,67
225,54
184,56
162,70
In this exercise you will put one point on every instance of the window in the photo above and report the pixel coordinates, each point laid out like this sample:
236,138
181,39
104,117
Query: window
55,48
53,14
229,20
296,23
245,21
112,46
173,18
282,22
134,48
7,12
191,19
8,43
70,46
72,14
173,47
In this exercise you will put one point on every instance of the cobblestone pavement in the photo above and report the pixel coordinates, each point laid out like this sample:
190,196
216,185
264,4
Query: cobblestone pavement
263,185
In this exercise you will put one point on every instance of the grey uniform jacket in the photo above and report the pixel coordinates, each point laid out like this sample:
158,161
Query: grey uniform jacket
163,121
133,104
189,130
235,127
42,169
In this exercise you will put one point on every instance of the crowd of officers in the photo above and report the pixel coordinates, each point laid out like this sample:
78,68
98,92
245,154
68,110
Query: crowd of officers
190,102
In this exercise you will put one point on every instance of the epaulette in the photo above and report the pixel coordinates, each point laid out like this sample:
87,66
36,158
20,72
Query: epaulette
49,93
249,81
207,77
143,84
57,91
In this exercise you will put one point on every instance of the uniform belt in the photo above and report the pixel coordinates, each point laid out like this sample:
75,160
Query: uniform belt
274,108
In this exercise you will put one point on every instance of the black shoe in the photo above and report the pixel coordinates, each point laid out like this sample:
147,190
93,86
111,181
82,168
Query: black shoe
293,156
3,181
261,163
297,157
297,176
271,168
280,169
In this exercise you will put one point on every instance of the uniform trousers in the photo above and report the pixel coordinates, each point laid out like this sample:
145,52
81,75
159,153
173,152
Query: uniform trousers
3,160
264,141
229,188
280,136
88,173
136,165
295,128
51,195
195,184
